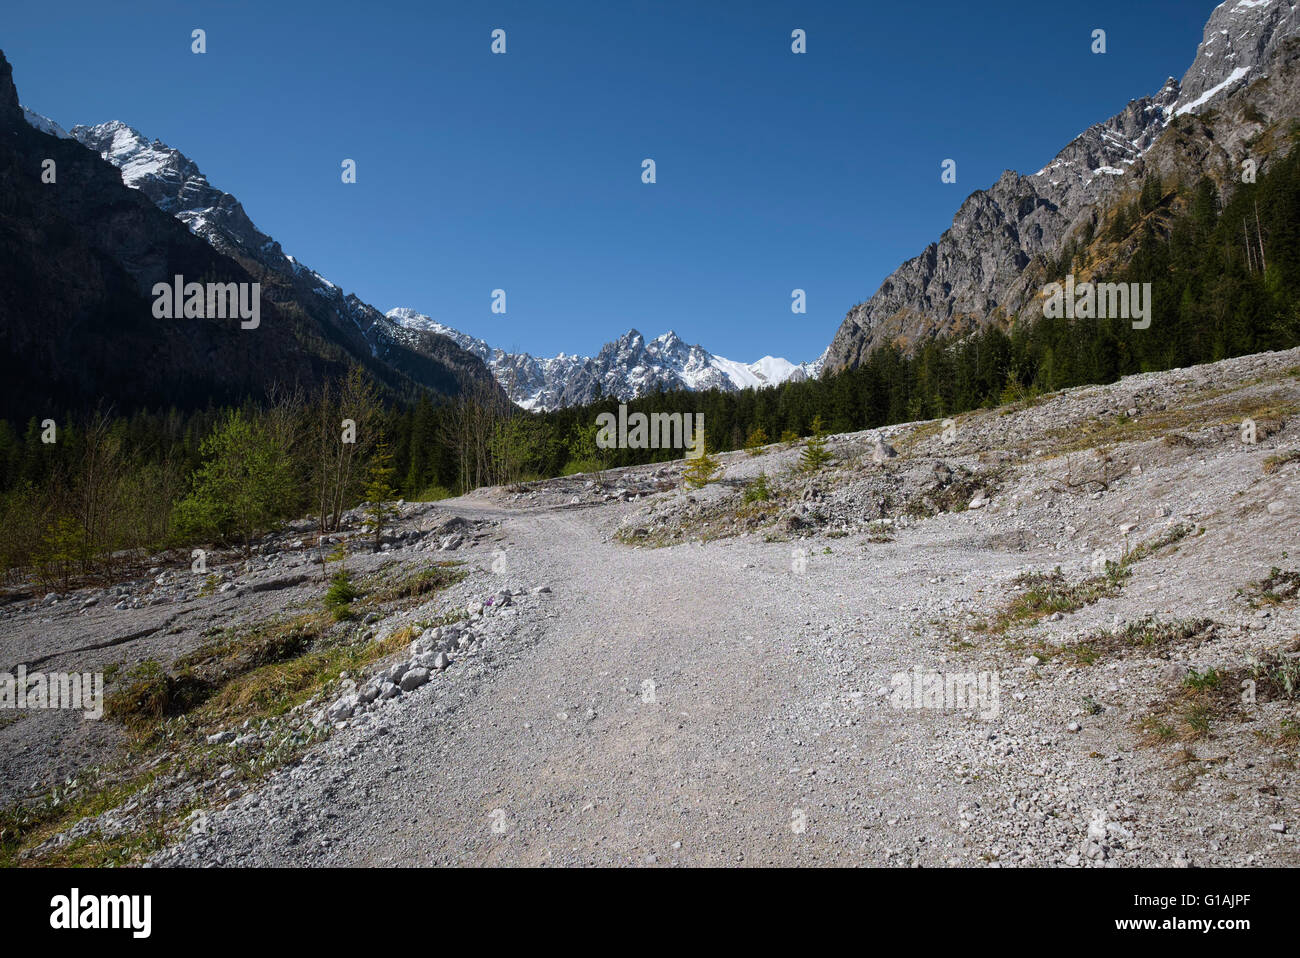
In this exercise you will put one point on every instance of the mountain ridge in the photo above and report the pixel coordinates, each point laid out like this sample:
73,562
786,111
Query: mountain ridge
989,266
175,184
626,368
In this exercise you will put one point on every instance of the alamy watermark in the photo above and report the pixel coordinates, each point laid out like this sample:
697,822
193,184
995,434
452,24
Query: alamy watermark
656,430
1098,301
182,300
958,691
83,691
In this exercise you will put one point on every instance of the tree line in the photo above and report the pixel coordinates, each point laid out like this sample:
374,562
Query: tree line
109,489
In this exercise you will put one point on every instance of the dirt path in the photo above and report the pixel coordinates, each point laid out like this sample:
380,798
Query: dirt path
698,695
771,736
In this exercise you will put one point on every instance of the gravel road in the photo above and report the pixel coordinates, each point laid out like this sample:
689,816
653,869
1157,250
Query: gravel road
732,698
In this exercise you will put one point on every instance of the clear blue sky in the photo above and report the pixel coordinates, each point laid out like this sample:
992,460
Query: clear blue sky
523,171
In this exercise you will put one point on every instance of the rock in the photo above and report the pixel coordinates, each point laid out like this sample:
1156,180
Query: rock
395,672
414,679
343,708
1276,508
1074,727
221,738
1173,673
441,661
449,525
542,590
882,451
389,691
1279,827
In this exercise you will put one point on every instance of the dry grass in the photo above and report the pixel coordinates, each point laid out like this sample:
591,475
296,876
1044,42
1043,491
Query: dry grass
243,678
1220,695
1147,635
1277,588
1198,412
1279,459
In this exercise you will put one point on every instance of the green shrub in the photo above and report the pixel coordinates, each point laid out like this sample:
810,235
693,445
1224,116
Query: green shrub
760,490
340,595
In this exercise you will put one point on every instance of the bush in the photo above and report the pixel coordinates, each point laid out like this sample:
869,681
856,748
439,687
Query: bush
245,484
340,596
760,490
433,494
575,466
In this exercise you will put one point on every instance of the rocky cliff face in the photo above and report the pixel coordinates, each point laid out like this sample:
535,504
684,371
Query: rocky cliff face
990,265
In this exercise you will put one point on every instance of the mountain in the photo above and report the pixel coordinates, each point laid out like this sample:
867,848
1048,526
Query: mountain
1238,99
626,368
78,260
176,185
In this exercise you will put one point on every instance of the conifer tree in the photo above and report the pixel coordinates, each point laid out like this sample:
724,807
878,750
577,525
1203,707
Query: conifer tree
814,452
702,469
379,492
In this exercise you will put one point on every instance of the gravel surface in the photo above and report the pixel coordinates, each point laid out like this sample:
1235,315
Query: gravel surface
725,693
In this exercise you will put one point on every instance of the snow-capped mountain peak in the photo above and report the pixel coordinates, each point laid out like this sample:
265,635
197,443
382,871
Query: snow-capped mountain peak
627,367
44,124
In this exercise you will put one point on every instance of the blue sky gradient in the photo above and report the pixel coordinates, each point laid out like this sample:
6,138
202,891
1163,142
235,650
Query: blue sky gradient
523,171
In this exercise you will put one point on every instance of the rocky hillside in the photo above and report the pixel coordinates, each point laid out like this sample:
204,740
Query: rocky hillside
1237,100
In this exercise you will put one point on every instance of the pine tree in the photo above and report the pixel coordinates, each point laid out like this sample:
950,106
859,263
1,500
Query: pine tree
756,441
702,469
379,491
814,452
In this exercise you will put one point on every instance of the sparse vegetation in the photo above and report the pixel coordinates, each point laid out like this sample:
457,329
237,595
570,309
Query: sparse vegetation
1146,635
760,490
1277,587
1044,593
1221,694
242,678
1279,459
